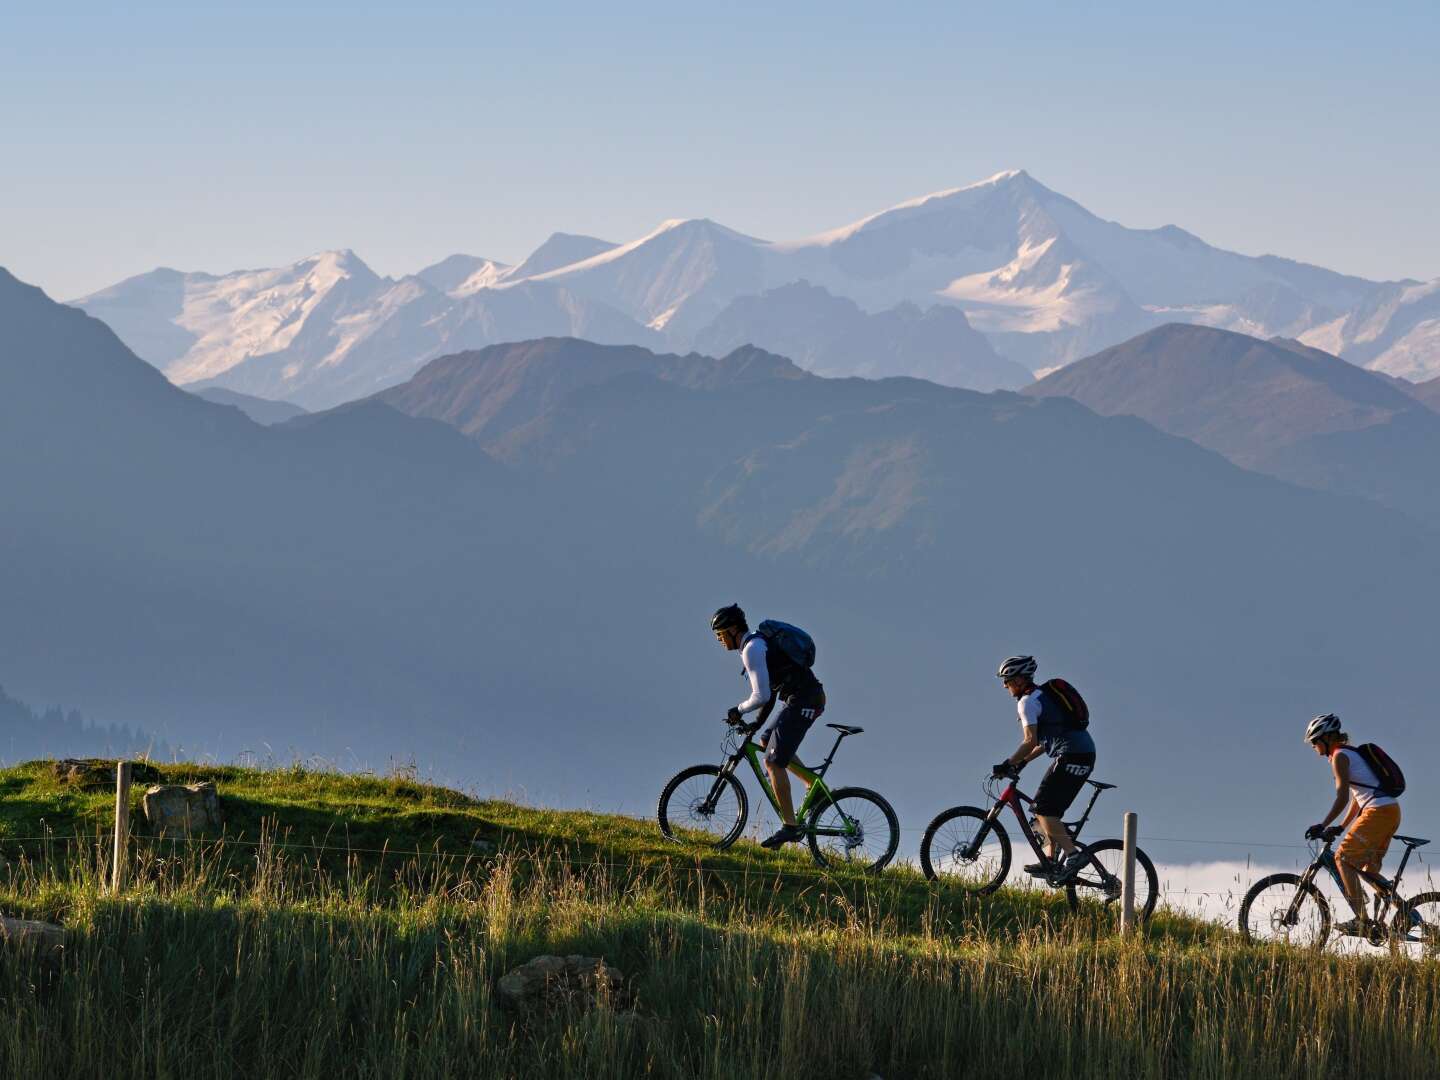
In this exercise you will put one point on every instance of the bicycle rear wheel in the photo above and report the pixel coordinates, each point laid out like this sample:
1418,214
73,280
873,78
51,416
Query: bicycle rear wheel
964,849
701,806
1282,910
854,828
1101,879
1418,926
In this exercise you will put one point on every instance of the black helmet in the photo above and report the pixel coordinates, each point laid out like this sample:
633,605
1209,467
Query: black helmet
729,618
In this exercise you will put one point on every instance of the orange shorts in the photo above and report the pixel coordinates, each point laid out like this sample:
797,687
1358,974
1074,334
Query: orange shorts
1369,836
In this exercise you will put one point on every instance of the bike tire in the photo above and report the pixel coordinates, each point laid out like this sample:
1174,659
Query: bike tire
1269,894
873,813
676,816
1427,906
938,846
1111,855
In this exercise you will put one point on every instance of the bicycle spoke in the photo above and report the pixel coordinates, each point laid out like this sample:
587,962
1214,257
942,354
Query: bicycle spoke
1418,927
1103,876
957,858
701,807
853,829
1283,913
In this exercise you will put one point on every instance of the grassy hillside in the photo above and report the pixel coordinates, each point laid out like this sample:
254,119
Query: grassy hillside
348,926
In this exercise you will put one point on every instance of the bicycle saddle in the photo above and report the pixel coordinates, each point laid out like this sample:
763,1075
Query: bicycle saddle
1411,841
1099,786
846,729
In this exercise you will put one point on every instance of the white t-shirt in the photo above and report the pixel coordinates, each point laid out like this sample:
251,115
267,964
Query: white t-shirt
757,670
1363,782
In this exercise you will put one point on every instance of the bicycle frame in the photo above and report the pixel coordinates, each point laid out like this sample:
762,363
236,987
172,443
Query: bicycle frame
750,751
1387,890
1016,799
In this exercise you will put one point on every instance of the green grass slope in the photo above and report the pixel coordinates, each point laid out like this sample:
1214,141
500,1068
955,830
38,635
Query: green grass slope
350,926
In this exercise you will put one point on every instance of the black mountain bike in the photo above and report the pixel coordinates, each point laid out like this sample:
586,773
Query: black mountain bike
1290,908
968,848
847,826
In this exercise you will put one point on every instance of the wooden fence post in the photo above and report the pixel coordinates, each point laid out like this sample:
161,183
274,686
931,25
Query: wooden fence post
122,827
1127,909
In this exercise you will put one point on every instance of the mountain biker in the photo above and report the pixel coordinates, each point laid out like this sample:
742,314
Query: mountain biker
773,677
1046,730
1372,817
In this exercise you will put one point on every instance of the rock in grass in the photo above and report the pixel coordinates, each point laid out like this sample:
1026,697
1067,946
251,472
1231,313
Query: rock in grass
100,772
31,934
182,809
553,983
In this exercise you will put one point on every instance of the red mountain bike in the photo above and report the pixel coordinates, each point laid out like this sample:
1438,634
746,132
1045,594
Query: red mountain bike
968,848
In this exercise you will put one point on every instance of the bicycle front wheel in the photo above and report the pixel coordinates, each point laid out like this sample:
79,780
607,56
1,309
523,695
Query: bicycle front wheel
701,806
1102,878
1282,909
963,848
1418,925
854,828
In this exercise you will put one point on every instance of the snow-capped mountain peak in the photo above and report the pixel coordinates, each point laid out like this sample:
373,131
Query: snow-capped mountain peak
1044,279
461,275
932,200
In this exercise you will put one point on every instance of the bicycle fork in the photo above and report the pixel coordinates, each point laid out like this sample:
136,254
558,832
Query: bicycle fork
972,849
711,800
1307,879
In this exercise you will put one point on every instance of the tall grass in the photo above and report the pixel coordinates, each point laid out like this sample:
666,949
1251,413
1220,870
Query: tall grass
265,958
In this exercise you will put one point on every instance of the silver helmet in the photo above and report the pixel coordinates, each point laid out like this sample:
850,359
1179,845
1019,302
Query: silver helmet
1017,667
1329,724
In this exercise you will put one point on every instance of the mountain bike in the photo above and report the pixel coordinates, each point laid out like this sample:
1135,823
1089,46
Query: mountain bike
967,848
849,826
1290,908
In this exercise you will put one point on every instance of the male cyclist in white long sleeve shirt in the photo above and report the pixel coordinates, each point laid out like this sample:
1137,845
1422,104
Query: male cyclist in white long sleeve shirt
773,676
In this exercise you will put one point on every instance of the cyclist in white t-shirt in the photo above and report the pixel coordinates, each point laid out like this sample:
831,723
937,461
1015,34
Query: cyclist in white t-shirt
1371,819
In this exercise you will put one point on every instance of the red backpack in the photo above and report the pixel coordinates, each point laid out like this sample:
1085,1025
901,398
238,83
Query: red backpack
1077,713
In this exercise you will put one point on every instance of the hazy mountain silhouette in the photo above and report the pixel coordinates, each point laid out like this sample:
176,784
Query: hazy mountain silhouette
832,336
1427,393
27,733
487,394
367,585
1277,406
261,410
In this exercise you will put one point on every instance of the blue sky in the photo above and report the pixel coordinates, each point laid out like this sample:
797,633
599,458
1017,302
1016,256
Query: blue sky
220,136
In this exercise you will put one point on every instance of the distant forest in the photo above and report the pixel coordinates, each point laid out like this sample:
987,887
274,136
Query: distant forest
26,734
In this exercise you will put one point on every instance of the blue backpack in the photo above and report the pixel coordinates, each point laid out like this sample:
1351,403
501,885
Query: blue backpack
795,643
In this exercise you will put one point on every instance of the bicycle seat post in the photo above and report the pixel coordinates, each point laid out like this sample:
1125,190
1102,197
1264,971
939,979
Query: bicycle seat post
1404,859
831,756
1096,789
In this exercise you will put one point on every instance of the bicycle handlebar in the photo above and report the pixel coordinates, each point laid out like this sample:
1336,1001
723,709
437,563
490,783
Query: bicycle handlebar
992,782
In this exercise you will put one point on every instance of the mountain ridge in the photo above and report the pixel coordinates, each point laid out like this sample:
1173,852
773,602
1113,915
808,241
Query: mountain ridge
371,585
1278,406
1046,281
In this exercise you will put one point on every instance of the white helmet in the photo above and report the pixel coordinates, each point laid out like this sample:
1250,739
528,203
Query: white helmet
1016,667
1329,724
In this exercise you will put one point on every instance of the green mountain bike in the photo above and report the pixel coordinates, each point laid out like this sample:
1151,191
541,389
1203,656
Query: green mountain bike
849,826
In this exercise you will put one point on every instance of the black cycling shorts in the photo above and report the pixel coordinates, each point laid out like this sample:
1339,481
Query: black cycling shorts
1061,783
791,723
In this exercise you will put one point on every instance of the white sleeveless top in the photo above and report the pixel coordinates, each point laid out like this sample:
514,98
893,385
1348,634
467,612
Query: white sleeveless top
1360,775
